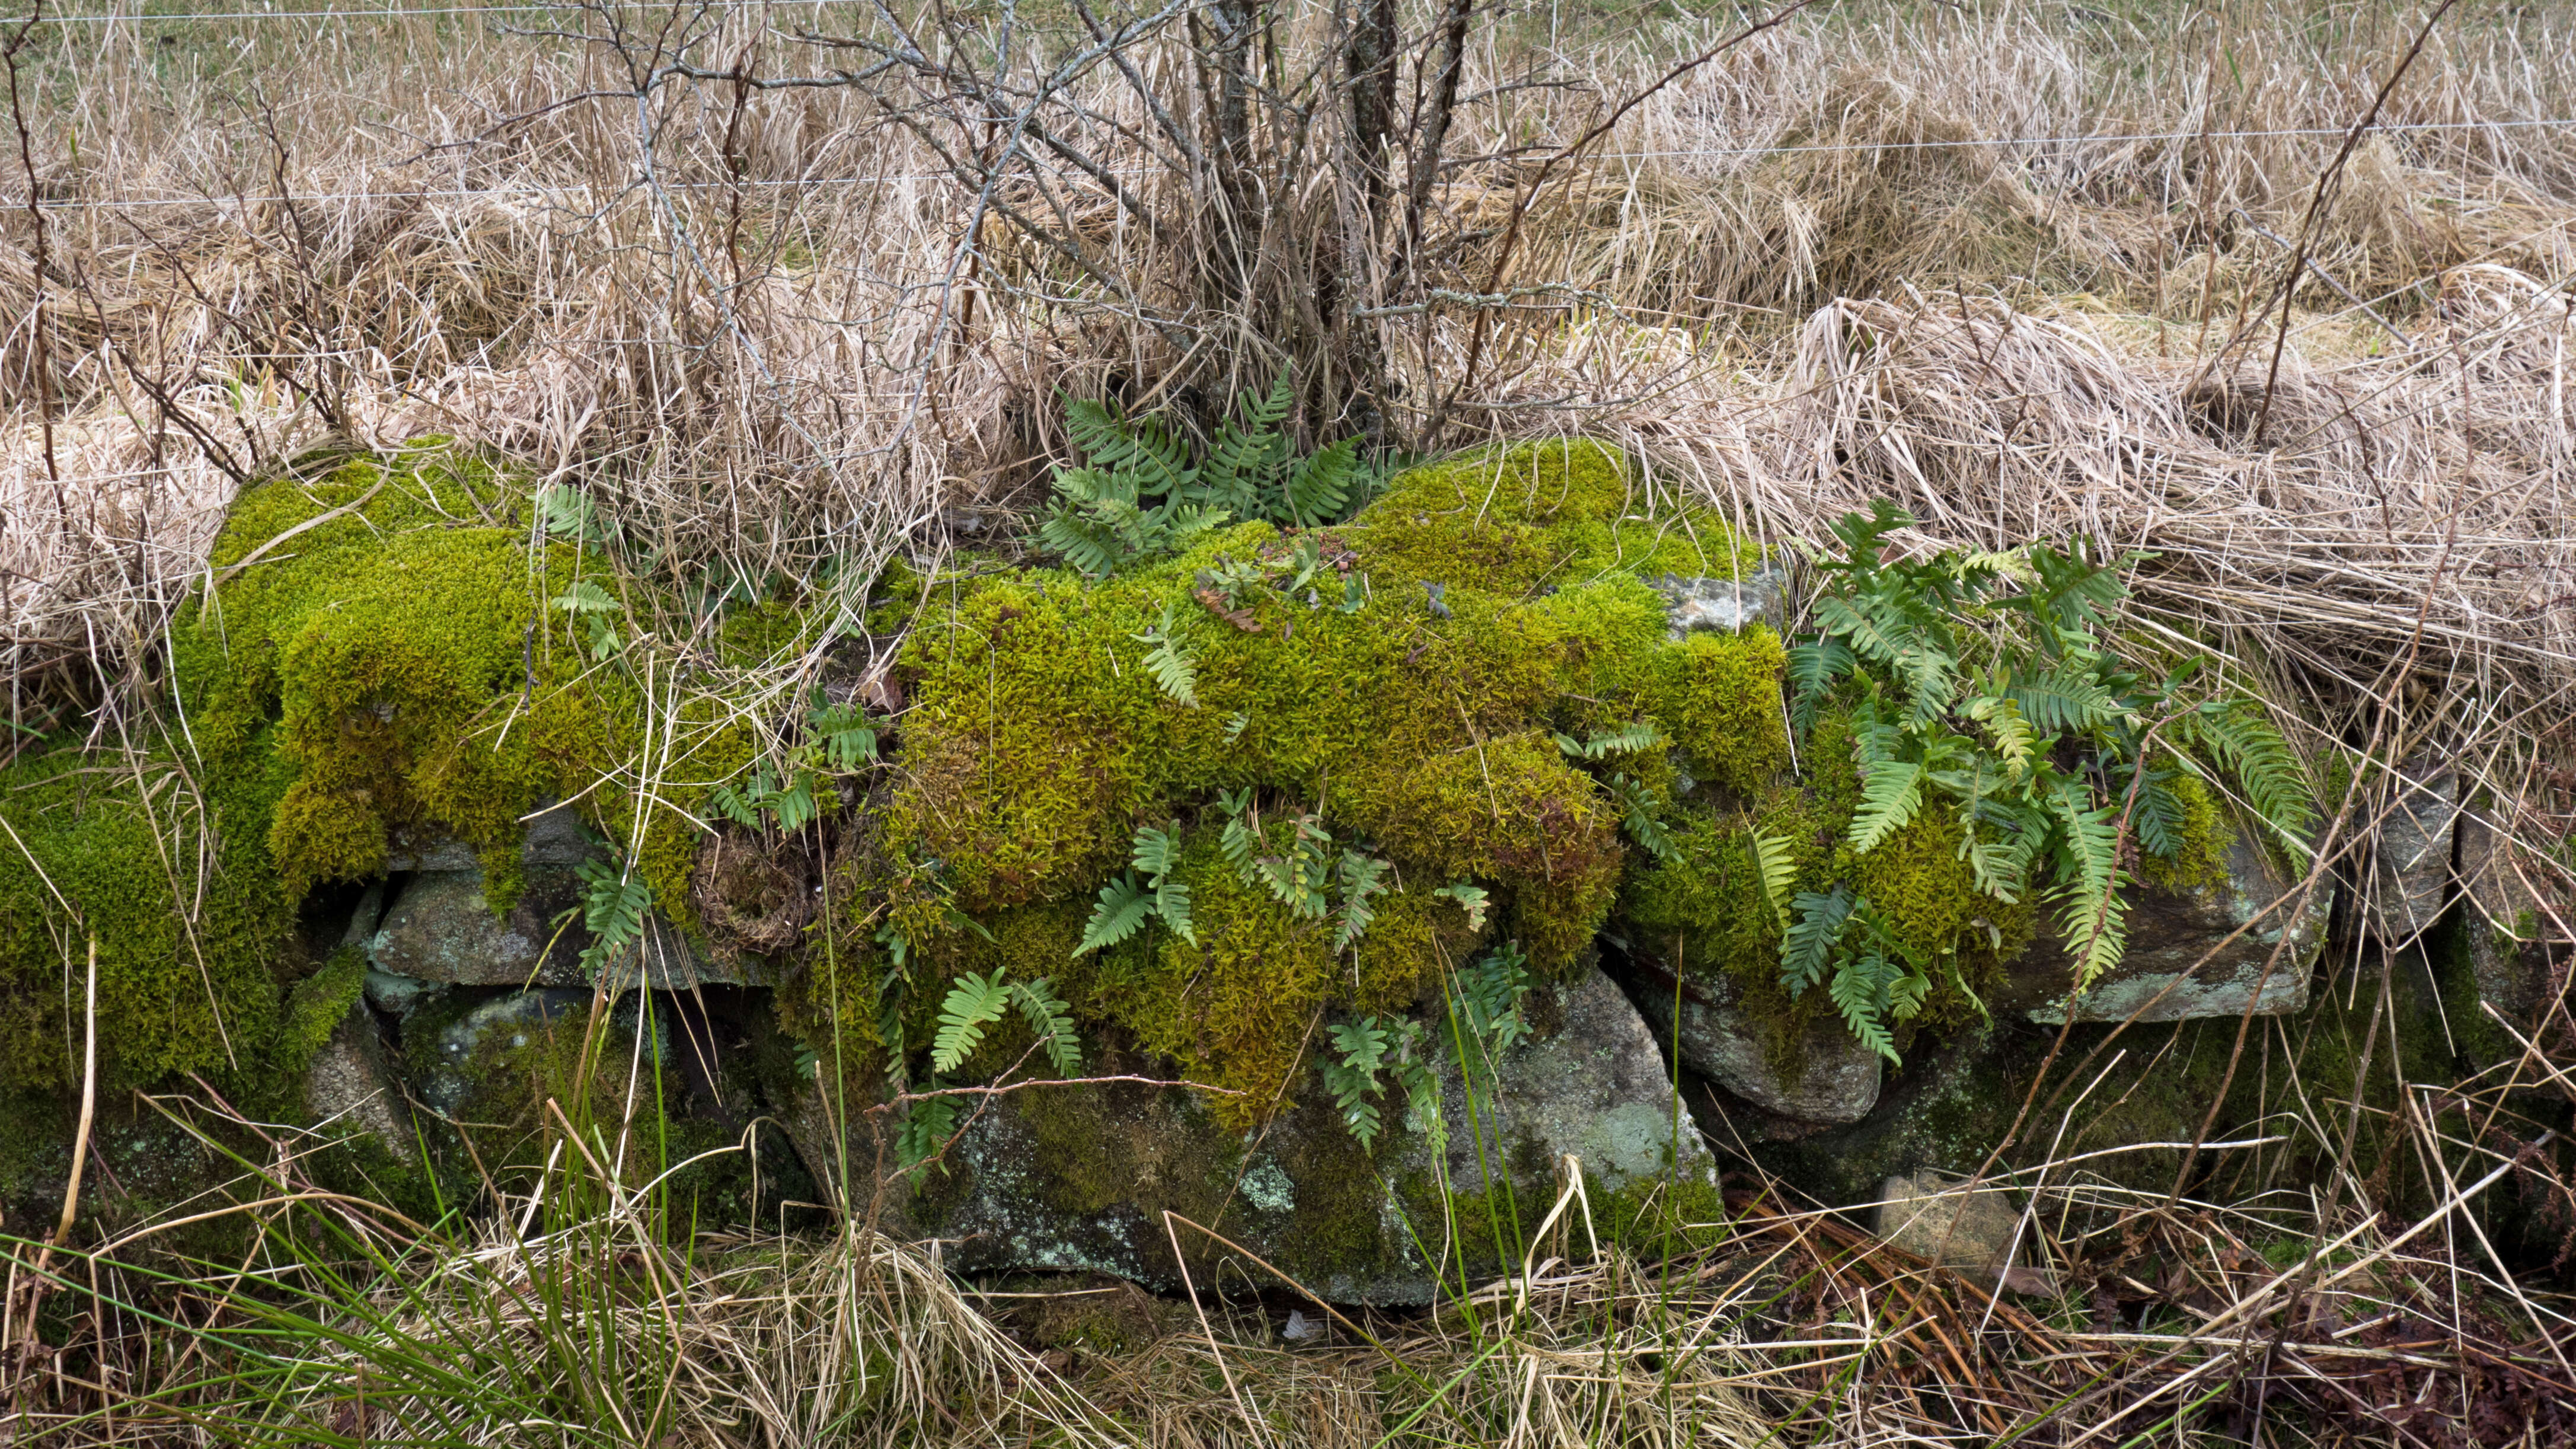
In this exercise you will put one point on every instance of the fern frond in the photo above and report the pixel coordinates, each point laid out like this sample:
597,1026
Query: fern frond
1860,990
2013,740
1813,669
729,803
1350,1074
1888,799
1639,812
1156,851
1120,913
1844,619
586,597
1925,670
973,1004
2263,765
1319,488
2001,868
1471,899
613,905
927,1126
2159,816
1052,1020
2094,922
1362,878
1090,544
1247,452
1172,903
1142,448
1168,662
1186,526
2063,701
1807,947
1632,739
1776,864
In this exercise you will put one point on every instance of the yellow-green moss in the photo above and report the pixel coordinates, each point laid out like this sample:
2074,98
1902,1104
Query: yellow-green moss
397,624
1718,697
1419,727
192,968
2201,861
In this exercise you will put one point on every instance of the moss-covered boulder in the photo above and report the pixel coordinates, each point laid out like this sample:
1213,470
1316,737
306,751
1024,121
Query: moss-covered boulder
2228,933
1083,1178
1361,756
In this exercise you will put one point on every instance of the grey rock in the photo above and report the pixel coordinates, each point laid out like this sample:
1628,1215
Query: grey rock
445,1072
440,930
349,1082
1079,1178
2411,856
2519,919
395,996
1947,1222
1836,1079
2164,977
555,837
1724,605
363,920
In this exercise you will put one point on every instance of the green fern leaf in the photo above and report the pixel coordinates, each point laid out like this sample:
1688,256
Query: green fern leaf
2094,923
2064,701
1888,799
1362,877
1844,619
2013,740
1639,813
730,803
1319,488
973,1004
1172,903
1122,911
2263,765
1174,672
1860,990
613,904
927,1127
1244,460
1776,863
1052,1020
1090,544
1471,899
1156,852
1813,669
1807,947
1634,739
586,597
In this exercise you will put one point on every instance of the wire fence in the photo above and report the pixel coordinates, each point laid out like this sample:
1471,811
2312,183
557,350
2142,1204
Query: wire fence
19,202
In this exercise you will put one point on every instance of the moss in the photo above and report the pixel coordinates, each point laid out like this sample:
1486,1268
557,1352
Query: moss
401,632
191,967
1418,727
2200,862
318,1004
1718,698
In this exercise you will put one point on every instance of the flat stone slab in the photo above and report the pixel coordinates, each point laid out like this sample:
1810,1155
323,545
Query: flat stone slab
555,837
1724,606
440,930
1833,1080
2411,856
1080,1178
2175,968
2519,918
